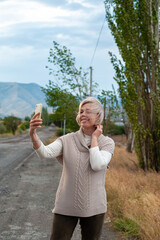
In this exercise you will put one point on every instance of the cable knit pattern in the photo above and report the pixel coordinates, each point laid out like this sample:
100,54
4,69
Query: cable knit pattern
81,191
82,184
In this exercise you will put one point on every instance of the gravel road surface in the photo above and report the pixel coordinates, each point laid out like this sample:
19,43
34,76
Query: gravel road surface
27,192
14,150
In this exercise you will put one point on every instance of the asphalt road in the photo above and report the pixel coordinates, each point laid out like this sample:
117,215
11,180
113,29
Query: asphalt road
27,191
14,150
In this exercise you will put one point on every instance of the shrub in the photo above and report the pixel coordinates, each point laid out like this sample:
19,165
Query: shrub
59,131
11,123
20,131
2,128
114,129
24,126
27,119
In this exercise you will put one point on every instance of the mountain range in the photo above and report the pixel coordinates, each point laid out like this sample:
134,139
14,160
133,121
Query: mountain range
19,99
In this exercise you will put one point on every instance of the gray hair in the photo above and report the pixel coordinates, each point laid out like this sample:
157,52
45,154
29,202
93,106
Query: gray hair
97,108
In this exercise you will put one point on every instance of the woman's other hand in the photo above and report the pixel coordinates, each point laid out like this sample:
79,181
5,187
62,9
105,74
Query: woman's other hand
95,135
98,131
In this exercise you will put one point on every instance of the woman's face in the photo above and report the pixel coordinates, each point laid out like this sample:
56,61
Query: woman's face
88,116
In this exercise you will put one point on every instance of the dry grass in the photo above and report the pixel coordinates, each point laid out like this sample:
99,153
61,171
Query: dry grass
17,133
50,140
133,194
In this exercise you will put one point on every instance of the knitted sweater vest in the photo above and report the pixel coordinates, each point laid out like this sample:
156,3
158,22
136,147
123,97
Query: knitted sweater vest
81,190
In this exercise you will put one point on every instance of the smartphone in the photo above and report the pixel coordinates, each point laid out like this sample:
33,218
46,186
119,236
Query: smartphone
38,109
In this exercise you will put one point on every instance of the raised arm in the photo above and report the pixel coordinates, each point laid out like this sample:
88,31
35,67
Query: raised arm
95,135
98,159
34,124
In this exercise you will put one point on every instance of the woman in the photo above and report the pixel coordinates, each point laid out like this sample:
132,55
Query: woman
85,155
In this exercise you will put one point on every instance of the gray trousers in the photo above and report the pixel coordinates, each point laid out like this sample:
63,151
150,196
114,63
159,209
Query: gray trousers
63,227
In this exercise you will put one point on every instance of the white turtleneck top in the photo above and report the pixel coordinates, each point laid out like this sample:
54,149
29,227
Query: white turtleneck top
98,159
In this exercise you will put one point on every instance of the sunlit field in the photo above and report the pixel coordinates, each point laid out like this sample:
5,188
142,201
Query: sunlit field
133,197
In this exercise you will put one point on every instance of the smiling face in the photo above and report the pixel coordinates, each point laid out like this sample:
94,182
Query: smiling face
88,116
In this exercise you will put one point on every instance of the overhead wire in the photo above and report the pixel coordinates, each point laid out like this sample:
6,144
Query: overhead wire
97,42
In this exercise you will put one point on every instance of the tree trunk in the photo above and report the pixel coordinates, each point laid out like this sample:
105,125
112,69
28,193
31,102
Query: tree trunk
130,138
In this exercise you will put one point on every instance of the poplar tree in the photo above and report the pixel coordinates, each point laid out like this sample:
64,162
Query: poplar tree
135,27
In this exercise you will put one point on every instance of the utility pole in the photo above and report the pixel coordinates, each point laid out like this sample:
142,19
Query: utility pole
64,126
91,80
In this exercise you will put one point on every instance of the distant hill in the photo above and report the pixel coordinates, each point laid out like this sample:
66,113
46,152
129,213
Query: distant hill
19,99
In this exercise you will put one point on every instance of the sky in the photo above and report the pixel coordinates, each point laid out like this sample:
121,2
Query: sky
28,29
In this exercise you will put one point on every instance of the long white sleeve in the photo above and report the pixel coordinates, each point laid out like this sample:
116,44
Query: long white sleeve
50,151
99,159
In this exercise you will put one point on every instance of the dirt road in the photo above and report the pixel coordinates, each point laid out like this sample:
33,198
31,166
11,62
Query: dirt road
27,194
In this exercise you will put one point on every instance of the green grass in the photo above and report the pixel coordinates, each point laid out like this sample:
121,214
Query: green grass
128,226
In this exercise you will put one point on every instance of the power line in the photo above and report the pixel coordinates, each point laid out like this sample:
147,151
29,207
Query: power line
97,42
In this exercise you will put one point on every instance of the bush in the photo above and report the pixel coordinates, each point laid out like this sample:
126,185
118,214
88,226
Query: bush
2,128
11,123
59,132
20,131
114,129
27,119
24,126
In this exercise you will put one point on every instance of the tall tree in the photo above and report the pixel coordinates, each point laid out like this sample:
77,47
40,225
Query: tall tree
110,104
67,75
69,87
64,103
45,116
134,25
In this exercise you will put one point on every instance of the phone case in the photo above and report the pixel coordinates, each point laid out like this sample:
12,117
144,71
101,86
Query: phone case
38,109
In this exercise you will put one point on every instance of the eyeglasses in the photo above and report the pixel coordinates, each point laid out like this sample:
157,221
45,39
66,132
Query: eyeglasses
87,112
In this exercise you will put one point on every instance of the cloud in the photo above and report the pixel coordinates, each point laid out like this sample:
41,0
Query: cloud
27,29
82,3
31,22
16,12
36,23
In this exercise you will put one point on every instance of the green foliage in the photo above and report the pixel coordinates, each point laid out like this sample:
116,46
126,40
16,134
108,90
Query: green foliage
11,123
27,118
68,75
60,131
45,116
50,118
110,105
114,129
24,126
134,25
20,131
65,105
69,87
129,227
2,128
